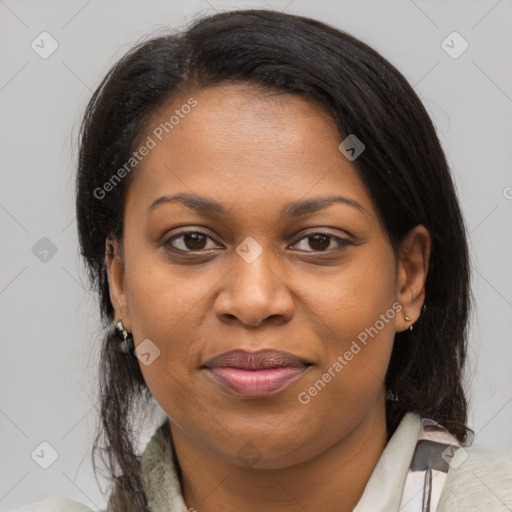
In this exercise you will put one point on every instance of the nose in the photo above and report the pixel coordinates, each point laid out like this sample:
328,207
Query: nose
254,291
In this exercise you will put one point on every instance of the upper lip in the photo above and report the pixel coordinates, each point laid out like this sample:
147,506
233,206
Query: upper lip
262,359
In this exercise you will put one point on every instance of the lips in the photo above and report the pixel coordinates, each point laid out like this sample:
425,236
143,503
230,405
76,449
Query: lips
261,360
255,374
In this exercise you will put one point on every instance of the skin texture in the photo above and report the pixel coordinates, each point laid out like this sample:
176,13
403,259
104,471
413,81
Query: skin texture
255,153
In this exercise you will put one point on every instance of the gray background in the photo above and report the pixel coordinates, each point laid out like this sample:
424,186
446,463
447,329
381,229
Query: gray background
49,321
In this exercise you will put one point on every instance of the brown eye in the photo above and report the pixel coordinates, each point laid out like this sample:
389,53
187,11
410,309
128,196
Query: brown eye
190,241
320,242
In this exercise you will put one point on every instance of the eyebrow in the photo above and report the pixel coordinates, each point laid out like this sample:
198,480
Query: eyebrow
293,209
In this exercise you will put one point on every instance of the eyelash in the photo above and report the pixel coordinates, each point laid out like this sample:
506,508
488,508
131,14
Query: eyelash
341,241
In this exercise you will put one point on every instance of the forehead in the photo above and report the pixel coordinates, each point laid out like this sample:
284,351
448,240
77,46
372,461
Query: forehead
243,144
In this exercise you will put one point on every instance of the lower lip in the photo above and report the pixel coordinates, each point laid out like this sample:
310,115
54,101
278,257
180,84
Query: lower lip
256,382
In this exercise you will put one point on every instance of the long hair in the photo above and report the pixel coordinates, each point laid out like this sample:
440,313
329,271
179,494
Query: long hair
403,167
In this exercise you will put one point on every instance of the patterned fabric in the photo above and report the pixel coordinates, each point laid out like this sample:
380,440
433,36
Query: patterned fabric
434,453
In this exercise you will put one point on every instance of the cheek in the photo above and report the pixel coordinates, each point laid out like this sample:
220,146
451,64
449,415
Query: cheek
350,381
353,297
170,306
163,299
358,330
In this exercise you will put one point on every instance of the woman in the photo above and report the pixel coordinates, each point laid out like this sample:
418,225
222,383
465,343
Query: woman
269,219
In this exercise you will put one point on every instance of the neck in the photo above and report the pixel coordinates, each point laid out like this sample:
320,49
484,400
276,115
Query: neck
333,480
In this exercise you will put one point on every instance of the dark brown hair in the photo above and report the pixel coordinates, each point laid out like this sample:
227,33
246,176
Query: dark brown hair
403,167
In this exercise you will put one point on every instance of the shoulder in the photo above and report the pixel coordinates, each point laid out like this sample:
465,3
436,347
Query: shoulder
55,505
478,479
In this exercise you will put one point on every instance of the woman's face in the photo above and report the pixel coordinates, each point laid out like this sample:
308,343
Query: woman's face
254,276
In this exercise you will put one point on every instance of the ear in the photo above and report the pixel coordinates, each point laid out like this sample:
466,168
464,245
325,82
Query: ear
412,270
114,261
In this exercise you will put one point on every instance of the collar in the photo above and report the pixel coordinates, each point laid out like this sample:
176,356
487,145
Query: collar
383,491
161,482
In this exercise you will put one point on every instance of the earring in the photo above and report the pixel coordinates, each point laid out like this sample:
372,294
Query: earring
126,344
407,319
